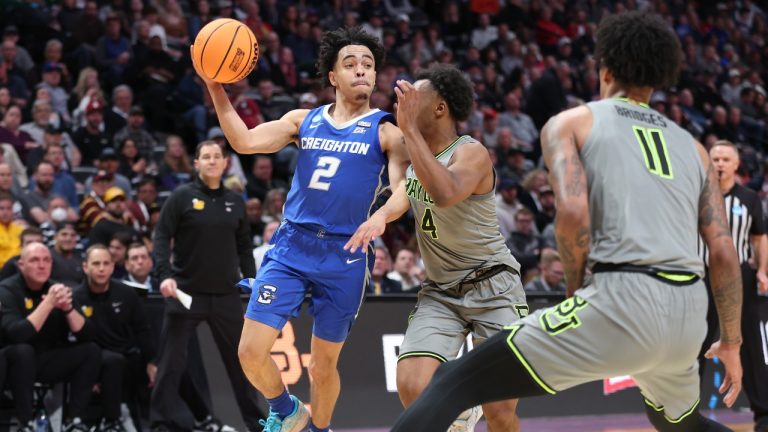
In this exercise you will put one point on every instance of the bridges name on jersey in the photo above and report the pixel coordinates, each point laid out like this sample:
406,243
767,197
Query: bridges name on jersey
339,171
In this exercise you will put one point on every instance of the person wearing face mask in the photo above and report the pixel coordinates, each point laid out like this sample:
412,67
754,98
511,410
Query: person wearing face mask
35,201
56,214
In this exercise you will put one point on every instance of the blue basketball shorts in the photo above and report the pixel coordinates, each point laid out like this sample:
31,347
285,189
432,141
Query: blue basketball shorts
308,261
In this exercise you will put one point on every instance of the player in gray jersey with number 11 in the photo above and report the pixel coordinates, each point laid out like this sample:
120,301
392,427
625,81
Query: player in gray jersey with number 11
473,281
633,192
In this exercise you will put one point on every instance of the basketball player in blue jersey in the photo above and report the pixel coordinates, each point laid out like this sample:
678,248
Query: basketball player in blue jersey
344,149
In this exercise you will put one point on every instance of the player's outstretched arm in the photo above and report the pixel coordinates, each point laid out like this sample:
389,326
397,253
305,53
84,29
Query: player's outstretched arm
446,186
267,137
724,277
391,139
569,182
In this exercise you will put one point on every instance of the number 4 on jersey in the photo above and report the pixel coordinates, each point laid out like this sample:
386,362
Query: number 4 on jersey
428,224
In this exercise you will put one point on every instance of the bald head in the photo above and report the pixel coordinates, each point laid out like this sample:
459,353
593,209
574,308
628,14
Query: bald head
35,265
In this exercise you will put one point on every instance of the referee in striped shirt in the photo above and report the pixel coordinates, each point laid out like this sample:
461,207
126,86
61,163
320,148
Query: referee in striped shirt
745,217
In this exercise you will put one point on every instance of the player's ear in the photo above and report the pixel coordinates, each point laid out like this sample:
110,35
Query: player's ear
332,78
441,109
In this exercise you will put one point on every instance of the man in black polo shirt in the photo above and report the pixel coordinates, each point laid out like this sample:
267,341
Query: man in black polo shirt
38,312
211,247
116,320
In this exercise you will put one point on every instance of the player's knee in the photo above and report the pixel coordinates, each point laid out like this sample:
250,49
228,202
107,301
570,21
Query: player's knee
251,355
410,386
322,371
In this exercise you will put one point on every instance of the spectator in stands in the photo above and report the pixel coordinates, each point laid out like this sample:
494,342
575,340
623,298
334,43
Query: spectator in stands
270,109
731,89
484,33
91,139
109,162
547,96
132,165
546,214
518,122
10,186
113,51
245,106
52,82
405,271
266,236
87,89
88,28
67,261
273,205
21,58
16,86
139,266
92,207
176,168
10,231
118,248
551,274
114,220
145,209
57,212
40,313
35,201
134,129
63,182
41,119
515,164
523,241
260,180
200,17
253,212
380,283
27,236
507,205
11,133
115,319
117,117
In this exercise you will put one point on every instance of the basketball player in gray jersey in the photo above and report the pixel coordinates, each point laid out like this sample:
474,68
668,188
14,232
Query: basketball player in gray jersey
633,191
473,283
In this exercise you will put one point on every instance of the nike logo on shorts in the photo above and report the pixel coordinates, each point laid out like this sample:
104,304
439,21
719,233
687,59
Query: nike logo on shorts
349,261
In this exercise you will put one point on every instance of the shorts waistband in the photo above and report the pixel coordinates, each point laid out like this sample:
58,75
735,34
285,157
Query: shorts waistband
486,273
317,231
671,277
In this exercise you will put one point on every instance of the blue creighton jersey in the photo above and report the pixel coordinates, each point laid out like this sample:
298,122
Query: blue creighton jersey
339,172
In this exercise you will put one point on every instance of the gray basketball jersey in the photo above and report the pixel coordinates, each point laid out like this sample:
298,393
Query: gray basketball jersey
457,240
645,178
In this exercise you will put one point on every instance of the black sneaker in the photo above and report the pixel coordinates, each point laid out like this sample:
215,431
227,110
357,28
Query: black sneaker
212,424
111,426
76,425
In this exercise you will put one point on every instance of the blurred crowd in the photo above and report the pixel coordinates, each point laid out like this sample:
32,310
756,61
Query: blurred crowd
101,109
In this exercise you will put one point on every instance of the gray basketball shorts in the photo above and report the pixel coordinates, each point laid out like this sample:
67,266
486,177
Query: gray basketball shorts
442,319
622,324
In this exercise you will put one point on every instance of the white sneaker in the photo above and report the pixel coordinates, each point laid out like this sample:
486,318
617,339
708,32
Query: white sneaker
467,420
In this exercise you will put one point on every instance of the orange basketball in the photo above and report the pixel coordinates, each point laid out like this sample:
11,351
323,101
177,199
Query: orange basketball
226,50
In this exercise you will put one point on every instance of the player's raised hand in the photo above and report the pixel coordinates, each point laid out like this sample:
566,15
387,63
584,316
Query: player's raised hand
206,80
407,104
366,232
729,355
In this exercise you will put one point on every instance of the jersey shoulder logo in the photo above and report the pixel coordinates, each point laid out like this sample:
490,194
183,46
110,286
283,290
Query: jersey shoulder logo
87,311
198,204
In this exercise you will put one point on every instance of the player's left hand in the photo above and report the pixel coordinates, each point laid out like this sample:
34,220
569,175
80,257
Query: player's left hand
366,232
729,355
762,282
407,104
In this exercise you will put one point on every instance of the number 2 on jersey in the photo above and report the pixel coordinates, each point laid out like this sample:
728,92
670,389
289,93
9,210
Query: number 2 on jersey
326,168
428,224
655,152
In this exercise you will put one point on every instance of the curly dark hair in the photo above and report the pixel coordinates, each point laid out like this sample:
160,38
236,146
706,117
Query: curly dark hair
333,41
451,84
640,49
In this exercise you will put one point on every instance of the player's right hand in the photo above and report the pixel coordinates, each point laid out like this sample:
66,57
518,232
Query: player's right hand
208,82
729,355
168,287
366,232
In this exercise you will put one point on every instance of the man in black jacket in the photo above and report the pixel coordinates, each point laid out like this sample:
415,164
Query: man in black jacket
116,320
38,312
211,247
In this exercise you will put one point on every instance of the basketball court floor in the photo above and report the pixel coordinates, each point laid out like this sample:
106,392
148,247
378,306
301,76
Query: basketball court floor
738,421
